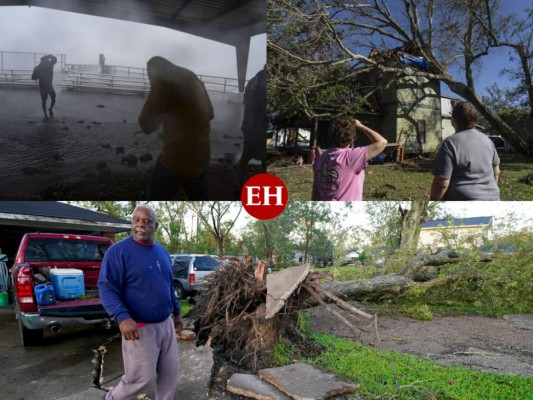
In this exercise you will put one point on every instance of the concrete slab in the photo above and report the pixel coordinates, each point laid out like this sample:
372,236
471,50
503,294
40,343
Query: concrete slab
254,387
306,382
280,286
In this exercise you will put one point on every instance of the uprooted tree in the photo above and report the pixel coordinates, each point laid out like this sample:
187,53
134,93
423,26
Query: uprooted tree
450,35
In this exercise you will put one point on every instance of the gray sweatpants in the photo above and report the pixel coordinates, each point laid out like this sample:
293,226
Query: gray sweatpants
154,357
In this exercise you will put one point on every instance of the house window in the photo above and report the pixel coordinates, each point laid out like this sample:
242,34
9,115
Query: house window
421,130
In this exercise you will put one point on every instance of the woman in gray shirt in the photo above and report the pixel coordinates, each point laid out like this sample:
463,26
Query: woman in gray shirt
467,165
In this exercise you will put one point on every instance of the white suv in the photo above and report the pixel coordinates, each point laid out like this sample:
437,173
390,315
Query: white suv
190,271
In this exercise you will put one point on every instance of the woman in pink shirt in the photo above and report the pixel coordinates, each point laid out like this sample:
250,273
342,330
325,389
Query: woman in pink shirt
339,172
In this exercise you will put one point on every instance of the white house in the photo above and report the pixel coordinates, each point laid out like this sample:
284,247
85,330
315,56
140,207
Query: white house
454,232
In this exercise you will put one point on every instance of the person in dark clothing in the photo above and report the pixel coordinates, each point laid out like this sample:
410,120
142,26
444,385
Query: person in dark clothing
253,125
44,72
178,100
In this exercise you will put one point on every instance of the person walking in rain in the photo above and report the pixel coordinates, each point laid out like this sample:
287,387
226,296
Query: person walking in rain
44,73
179,101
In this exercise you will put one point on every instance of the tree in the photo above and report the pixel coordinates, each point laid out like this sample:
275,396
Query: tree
171,230
297,91
412,220
451,35
218,218
304,219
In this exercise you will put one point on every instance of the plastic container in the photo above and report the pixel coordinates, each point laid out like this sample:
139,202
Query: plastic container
4,299
45,295
68,283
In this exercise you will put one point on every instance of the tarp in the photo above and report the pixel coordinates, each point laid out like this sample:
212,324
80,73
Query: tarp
417,62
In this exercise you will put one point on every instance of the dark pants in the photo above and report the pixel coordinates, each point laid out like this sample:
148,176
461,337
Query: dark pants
165,185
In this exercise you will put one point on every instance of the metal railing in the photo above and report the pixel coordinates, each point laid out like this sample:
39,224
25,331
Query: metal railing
107,83
134,83
17,78
27,59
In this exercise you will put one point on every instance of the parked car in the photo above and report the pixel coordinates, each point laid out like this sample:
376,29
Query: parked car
498,141
190,271
40,258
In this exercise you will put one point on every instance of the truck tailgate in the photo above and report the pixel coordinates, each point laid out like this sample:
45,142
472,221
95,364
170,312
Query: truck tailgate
88,309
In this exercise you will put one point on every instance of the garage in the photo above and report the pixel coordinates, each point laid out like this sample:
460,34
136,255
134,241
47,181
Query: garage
20,217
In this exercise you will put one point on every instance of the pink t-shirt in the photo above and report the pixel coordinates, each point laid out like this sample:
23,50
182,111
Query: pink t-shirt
340,174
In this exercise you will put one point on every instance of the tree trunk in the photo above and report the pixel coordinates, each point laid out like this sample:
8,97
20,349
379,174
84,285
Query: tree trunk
370,289
412,221
390,286
505,130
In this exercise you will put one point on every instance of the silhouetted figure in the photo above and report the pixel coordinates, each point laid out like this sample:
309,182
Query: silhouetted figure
253,125
44,72
179,101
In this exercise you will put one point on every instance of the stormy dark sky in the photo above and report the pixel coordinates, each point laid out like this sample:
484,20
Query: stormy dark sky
82,38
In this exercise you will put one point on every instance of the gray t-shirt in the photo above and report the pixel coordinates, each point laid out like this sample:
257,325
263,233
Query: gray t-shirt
467,159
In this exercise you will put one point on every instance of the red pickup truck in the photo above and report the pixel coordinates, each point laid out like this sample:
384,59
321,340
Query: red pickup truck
37,255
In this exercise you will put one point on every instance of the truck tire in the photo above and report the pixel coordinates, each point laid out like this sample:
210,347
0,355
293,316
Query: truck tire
181,294
30,337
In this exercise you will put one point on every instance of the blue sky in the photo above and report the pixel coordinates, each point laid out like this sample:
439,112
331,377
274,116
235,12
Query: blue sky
82,38
497,59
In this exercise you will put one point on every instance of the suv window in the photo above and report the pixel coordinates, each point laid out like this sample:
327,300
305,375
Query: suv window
59,250
206,263
181,266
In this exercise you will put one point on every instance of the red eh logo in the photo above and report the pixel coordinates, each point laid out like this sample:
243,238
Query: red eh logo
264,196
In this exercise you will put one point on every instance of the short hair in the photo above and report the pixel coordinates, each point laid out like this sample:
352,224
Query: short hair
465,115
343,131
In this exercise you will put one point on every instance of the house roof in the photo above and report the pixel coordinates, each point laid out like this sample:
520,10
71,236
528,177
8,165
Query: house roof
51,214
463,222
220,20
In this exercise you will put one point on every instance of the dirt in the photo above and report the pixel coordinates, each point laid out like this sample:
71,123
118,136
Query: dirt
488,344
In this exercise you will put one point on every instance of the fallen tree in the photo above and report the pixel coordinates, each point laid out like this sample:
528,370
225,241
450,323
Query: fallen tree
243,315
244,312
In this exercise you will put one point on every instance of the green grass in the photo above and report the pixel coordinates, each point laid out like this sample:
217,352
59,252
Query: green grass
185,307
385,374
411,181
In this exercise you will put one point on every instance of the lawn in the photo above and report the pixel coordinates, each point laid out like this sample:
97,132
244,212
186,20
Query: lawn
410,180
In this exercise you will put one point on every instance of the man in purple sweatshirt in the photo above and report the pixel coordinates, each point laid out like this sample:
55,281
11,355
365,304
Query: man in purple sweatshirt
136,289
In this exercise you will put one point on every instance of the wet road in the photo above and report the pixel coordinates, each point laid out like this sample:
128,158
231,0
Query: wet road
96,137
59,368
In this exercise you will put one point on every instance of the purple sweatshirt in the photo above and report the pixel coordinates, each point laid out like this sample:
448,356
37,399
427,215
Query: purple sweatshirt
136,282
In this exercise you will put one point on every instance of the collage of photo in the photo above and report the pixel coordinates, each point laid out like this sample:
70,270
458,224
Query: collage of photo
266,199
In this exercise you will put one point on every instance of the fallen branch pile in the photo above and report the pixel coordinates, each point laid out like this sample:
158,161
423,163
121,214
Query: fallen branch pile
232,312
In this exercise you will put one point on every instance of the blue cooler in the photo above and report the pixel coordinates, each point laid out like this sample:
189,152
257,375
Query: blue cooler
68,283
45,295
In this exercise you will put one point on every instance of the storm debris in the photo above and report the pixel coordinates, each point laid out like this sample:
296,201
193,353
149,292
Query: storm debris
146,158
130,160
243,313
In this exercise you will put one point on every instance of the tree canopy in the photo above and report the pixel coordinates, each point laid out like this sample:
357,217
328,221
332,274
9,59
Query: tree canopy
454,37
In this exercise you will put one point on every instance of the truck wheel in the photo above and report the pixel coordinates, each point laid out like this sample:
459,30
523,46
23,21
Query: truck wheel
30,337
180,292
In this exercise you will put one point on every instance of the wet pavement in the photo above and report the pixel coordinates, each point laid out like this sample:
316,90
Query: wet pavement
63,367
94,137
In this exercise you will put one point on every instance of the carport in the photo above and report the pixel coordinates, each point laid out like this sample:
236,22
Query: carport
232,22
20,217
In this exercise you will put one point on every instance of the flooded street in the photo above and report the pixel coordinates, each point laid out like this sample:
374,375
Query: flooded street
95,137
